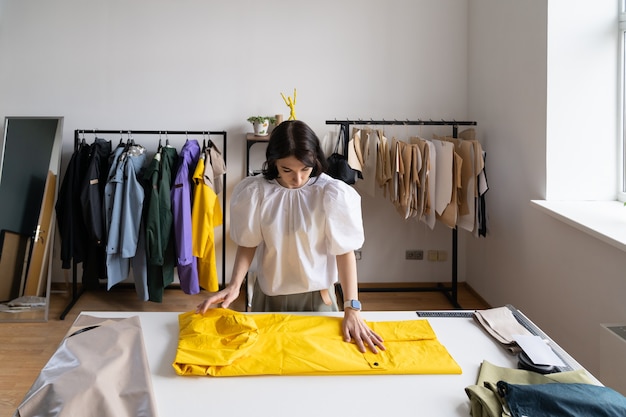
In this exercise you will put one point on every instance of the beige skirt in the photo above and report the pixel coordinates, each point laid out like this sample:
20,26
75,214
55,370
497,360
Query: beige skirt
308,301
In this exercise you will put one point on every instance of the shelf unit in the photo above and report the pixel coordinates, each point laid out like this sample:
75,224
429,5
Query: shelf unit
251,140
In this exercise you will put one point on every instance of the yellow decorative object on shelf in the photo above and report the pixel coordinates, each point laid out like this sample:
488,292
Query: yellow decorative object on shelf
291,103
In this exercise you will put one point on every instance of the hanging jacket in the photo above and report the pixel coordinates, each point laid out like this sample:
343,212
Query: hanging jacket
154,247
93,188
91,195
68,209
126,241
225,343
181,209
158,220
214,168
206,215
112,198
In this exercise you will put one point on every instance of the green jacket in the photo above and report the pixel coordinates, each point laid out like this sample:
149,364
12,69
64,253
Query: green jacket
158,221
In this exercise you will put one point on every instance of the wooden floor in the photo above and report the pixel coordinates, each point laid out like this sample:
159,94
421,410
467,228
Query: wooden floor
26,347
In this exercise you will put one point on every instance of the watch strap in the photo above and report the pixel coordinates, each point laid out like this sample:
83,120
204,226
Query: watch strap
353,304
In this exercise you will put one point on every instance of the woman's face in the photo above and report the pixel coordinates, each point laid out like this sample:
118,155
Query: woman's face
292,173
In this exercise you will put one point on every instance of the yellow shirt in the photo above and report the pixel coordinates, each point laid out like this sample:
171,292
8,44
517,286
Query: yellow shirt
227,343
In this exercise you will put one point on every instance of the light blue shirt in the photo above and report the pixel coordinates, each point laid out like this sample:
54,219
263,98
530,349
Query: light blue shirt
124,197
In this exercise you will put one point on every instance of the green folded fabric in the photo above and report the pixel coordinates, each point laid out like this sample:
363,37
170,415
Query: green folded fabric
484,401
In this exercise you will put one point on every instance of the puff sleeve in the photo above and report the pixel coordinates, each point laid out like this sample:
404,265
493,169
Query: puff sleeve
245,226
344,225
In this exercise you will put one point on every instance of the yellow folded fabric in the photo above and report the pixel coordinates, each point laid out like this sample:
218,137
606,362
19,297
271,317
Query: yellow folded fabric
228,343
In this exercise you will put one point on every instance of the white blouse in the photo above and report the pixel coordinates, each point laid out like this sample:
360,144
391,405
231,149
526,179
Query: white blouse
297,232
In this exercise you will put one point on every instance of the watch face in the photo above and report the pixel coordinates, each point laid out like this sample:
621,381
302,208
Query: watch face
355,304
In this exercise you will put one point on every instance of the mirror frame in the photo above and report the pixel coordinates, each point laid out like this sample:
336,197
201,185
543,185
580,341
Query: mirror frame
46,272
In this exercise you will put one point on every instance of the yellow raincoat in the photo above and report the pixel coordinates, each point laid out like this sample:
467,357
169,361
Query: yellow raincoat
206,215
227,343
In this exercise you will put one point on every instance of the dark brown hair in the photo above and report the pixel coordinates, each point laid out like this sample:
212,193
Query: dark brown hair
293,138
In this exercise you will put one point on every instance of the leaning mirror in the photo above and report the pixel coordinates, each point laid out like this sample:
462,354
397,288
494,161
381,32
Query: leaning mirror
30,157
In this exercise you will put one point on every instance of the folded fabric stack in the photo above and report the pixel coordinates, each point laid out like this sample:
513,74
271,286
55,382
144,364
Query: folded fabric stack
500,323
515,392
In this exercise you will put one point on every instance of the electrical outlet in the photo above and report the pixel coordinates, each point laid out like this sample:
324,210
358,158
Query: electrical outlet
442,256
432,255
415,255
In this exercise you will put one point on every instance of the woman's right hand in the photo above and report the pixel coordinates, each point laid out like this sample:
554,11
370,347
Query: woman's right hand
225,297
243,259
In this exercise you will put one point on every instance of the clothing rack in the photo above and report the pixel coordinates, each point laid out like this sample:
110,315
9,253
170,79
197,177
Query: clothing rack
76,292
451,291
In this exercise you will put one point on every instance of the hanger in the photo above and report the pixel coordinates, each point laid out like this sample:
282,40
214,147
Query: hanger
211,144
129,142
95,136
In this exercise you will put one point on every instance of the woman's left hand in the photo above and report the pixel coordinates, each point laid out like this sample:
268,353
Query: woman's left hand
355,329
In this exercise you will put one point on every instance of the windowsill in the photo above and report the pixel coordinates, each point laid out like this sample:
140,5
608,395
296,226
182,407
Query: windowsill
605,220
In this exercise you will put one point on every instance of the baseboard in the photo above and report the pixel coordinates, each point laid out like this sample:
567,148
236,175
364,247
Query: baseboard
404,286
66,287
474,293
401,285
63,287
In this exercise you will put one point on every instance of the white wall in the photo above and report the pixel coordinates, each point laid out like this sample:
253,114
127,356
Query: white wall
197,65
532,110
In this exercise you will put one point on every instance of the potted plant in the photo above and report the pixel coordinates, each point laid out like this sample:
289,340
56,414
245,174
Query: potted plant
261,124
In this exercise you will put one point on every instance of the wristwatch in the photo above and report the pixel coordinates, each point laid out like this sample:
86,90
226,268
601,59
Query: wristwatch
353,304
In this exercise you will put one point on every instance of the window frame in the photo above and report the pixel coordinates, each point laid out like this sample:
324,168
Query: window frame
621,192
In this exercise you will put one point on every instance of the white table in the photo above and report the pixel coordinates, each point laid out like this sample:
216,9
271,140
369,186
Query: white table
389,395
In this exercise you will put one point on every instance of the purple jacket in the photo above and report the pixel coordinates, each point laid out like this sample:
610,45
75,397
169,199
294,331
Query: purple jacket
181,210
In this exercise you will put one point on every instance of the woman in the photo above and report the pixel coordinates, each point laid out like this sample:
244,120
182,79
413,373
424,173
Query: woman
303,226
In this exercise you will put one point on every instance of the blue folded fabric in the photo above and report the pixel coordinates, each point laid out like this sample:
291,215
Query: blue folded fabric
562,400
